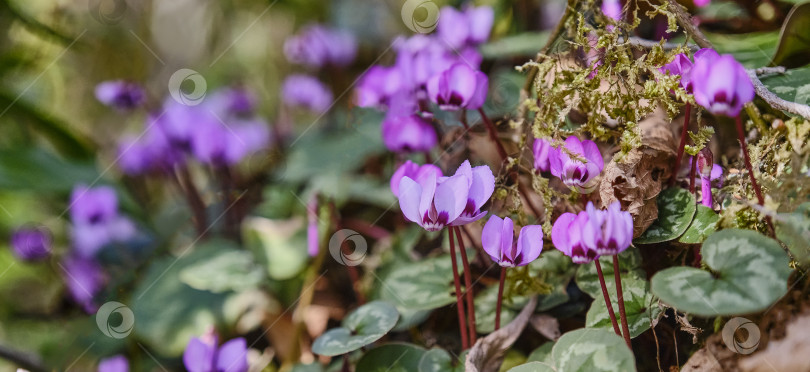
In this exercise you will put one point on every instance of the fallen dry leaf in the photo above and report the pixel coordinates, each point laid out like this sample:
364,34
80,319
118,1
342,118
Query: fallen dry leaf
487,353
547,325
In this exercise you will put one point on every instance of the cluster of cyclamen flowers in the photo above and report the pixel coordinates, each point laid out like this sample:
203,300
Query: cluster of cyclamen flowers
441,68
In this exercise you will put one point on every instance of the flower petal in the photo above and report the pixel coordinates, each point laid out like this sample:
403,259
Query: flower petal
232,356
530,244
451,197
491,237
410,193
559,233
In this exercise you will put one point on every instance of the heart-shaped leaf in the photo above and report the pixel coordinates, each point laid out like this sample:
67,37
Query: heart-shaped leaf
393,357
558,270
485,304
225,270
793,85
423,285
586,350
638,304
280,245
704,224
532,367
749,272
793,229
365,325
676,207
794,39
439,360
629,266
542,353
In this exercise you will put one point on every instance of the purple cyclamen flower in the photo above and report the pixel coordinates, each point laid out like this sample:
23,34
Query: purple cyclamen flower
469,27
481,184
608,232
702,3
721,84
541,150
566,234
574,173
681,65
84,279
612,9
415,172
219,143
408,134
313,242
151,152
120,94
431,203
203,355
32,243
705,168
421,57
376,87
458,87
235,101
497,238
318,46
95,218
306,91
116,363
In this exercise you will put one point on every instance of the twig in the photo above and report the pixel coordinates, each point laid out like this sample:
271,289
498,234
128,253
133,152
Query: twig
648,44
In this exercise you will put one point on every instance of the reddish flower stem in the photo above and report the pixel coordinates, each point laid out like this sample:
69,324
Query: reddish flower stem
462,328
500,299
682,145
467,283
744,149
493,133
194,200
617,276
607,298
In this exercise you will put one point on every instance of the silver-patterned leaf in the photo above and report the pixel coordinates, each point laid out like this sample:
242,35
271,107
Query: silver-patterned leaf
592,350
439,360
629,265
676,207
393,357
365,325
639,305
704,224
423,285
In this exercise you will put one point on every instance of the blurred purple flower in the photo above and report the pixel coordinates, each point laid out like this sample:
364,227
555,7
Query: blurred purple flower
95,218
480,184
377,86
306,91
574,173
458,87
116,363
566,234
612,9
682,66
541,150
721,84
203,355
415,172
702,3
120,94
608,232
497,238
150,152
219,143
313,242
317,46
232,101
31,243
408,133
84,279
433,203
470,27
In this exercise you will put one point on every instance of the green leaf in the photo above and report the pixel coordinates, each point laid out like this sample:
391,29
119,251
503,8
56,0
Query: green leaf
229,269
638,305
532,367
629,267
793,85
365,325
542,353
521,45
753,49
750,273
591,350
794,39
558,270
793,229
439,360
676,207
34,169
704,224
486,303
423,285
279,245
393,357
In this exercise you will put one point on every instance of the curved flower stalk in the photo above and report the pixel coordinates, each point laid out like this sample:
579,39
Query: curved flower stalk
498,241
575,173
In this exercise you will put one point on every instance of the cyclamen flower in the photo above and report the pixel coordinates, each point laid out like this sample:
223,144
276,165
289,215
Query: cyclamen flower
541,150
721,84
31,243
117,363
203,355
415,172
612,9
306,91
481,184
497,238
84,279
566,234
574,173
318,46
95,218
376,87
682,66
608,231
458,87
222,144
702,3
706,170
408,134
120,94
469,27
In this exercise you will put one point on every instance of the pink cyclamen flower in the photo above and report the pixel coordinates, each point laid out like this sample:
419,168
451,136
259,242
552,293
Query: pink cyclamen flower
415,172
377,86
497,238
682,66
566,234
541,150
306,91
203,355
702,3
458,87
705,168
612,9
116,363
608,232
469,27
481,184
574,173
408,133
721,84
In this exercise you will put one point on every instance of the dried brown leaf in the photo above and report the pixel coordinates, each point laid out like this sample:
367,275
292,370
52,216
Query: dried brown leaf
487,353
